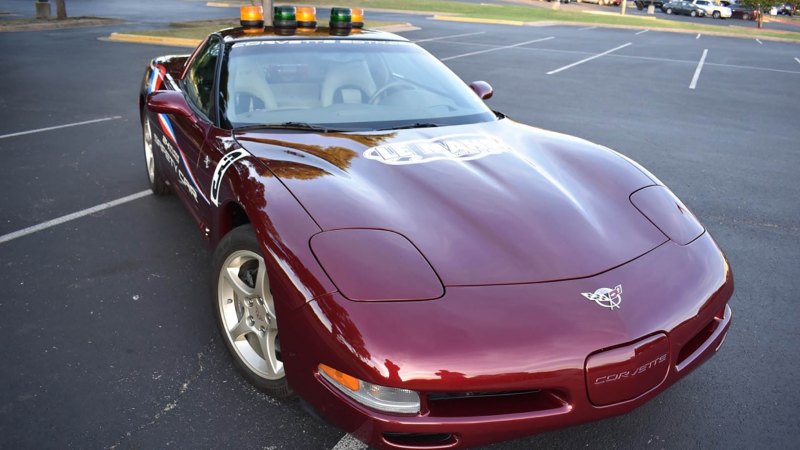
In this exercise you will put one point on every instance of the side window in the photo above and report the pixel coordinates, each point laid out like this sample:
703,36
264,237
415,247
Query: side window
199,80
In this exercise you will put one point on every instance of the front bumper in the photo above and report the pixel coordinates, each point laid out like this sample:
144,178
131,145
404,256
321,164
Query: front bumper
494,363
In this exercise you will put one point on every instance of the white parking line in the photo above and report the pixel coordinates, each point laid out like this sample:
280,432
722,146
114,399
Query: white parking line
636,57
798,60
643,31
586,28
699,68
76,215
496,48
759,41
588,59
39,130
698,36
451,36
348,442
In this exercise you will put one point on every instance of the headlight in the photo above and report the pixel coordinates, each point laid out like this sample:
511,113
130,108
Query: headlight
389,399
375,265
667,213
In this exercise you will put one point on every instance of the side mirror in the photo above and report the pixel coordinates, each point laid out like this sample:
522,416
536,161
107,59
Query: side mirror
169,102
482,89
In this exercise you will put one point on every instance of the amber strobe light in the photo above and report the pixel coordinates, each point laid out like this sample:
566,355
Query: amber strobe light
389,399
306,17
357,17
251,17
340,24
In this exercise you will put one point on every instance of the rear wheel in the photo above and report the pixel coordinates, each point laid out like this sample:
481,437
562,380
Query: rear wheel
715,15
693,13
245,311
157,183
669,11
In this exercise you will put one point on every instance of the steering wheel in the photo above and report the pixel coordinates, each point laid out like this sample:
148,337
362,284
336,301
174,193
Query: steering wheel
386,87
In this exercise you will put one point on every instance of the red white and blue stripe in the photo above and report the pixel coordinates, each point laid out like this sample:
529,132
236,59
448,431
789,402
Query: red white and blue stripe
154,83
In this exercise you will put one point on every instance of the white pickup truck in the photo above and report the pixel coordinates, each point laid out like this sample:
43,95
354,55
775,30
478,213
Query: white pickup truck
712,9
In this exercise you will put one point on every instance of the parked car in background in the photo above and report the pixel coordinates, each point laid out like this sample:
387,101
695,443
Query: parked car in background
742,12
599,2
683,7
642,4
787,9
713,10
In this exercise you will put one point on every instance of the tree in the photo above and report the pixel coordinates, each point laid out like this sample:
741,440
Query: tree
61,10
762,6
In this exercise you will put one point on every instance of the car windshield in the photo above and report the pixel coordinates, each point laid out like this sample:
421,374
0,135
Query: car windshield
347,85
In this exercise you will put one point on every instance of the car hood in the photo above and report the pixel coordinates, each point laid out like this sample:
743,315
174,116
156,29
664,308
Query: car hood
491,203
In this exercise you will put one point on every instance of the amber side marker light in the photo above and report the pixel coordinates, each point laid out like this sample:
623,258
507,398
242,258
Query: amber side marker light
251,18
383,398
306,17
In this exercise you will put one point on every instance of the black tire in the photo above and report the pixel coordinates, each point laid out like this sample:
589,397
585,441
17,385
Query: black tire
715,15
668,11
693,13
745,16
242,242
155,176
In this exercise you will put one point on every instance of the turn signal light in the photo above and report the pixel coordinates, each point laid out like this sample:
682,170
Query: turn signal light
340,377
251,17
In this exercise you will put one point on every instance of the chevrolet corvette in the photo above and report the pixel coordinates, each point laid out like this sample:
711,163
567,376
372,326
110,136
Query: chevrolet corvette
420,269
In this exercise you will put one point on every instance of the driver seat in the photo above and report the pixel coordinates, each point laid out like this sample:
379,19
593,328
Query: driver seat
248,79
349,82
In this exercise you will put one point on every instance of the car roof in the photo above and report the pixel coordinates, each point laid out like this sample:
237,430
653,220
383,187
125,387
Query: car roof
239,34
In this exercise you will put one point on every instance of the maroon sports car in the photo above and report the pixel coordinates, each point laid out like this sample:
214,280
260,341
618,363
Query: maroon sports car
423,271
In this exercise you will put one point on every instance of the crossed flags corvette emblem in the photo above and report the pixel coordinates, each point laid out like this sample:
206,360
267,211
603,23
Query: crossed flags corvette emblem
606,297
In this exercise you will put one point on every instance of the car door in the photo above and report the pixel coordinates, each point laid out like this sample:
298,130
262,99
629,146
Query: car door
191,132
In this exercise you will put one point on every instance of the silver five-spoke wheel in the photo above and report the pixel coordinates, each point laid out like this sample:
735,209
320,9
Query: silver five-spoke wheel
247,312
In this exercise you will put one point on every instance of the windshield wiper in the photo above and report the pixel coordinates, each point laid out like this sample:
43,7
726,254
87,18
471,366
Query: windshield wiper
289,126
415,125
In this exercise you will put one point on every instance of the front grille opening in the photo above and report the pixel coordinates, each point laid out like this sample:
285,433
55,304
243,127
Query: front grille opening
465,404
420,440
701,337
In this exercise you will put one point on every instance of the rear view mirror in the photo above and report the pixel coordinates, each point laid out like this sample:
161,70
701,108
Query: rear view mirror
482,89
168,102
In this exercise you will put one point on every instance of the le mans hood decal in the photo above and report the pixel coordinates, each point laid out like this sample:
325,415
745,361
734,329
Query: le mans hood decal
454,147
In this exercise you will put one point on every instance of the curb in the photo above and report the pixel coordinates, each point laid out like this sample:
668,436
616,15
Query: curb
550,23
155,40
53,24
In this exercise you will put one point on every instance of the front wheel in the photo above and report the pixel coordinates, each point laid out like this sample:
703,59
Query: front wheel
245,310
693,13
669,11
715,15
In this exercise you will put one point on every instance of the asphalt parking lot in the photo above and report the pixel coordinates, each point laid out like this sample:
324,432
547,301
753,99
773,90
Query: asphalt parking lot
107,330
